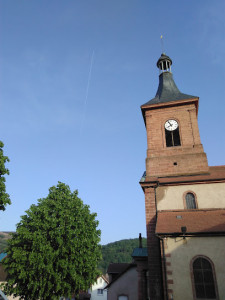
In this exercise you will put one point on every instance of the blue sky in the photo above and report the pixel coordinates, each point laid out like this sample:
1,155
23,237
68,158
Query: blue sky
72,78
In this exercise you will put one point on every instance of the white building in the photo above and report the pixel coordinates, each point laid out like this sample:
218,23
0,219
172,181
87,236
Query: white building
97,290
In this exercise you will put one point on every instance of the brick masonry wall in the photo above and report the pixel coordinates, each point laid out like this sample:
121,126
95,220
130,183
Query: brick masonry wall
154,253
189,158
142,269
142,286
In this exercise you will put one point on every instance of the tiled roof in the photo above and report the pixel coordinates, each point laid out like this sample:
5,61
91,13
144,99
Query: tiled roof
117,268
140,252
216,173
129,266
196,221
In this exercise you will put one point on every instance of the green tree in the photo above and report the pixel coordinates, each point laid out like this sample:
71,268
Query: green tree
4,197
55,250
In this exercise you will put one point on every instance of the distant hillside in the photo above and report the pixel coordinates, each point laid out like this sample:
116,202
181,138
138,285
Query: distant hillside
118,252
4,236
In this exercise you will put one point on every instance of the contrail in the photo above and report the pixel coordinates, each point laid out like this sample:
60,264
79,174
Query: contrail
87,90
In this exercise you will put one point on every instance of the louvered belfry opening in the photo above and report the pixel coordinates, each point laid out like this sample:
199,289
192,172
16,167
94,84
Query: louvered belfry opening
172,138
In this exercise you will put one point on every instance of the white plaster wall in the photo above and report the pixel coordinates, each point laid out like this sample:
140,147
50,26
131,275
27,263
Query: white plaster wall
207,195
100,284
182,252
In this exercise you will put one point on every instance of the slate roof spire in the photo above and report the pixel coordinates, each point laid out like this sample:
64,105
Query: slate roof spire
167,89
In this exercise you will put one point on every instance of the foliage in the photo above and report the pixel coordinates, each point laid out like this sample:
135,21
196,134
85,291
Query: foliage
4,197
55,249
118,252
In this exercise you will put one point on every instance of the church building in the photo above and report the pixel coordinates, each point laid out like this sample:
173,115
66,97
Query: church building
184,202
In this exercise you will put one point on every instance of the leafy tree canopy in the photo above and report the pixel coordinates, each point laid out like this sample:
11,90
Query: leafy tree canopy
55,250
4,197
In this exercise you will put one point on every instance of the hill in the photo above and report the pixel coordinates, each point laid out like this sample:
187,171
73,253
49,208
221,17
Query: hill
4,236
118,252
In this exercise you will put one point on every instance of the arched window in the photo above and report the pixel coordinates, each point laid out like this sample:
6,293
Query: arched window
190,201
203,279
172,133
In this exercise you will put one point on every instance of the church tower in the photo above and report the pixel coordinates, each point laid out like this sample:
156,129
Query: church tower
174,146
184,201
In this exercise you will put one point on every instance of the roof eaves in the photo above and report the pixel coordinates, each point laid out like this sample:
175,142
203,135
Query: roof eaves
191,234
105,279
168,102
132,265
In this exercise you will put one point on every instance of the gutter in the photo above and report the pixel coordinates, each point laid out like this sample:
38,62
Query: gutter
162,248
194,234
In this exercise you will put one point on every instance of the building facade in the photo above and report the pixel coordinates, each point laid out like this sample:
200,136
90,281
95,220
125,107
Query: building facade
184,201
123,282
97,290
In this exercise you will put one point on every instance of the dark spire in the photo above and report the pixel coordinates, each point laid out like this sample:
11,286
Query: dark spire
167,89
140,240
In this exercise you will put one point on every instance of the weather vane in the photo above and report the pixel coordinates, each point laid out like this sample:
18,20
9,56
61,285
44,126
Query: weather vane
162,45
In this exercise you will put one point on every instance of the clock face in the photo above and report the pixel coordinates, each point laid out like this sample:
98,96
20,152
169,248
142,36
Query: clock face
171,125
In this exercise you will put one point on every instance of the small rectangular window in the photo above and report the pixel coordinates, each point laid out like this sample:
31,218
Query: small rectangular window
100,291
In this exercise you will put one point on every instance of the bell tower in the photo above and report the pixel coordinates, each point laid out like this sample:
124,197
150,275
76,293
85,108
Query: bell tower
174,150
173,140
